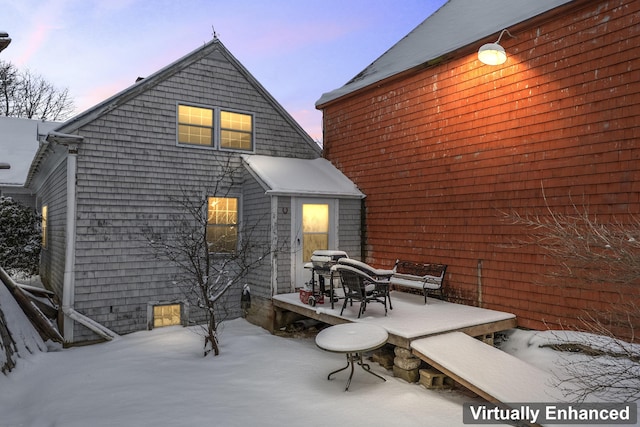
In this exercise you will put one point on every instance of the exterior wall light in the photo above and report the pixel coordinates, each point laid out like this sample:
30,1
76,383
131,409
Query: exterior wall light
493,53
4,40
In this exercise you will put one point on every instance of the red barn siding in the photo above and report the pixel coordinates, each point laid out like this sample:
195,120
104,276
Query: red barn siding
442,152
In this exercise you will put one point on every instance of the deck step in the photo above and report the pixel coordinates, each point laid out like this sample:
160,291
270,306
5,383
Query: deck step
489,372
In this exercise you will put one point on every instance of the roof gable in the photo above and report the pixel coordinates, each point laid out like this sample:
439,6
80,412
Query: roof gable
214,47
456,24
214,51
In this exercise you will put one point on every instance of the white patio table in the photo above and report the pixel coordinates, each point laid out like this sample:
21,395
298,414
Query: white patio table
353,339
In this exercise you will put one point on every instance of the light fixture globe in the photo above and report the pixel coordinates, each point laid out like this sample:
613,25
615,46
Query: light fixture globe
492,54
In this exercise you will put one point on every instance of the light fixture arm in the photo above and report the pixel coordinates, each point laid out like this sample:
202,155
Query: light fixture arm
502,33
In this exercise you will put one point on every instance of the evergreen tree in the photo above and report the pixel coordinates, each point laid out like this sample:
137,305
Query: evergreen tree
19,237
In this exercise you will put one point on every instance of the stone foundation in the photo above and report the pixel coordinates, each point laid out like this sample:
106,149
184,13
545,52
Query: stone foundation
406,365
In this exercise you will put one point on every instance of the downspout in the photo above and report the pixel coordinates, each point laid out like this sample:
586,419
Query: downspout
480,302
68,287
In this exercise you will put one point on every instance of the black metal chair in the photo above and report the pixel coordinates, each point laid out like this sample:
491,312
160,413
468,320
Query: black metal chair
381,277
359,286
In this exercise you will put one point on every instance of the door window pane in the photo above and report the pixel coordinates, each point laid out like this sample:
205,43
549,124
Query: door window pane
315,228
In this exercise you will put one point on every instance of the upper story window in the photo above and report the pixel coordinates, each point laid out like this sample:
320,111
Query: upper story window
214,127
236,131
195,125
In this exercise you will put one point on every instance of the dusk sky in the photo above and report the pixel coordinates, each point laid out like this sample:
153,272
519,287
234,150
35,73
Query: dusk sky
297,49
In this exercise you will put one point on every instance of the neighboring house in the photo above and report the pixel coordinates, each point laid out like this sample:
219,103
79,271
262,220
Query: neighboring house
443,145
18,145
111,177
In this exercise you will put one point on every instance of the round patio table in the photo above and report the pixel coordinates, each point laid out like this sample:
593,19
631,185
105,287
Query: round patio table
352,339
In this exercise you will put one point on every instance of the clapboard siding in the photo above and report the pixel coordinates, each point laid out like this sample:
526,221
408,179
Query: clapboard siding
444,152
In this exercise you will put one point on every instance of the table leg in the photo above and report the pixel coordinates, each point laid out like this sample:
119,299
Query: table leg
367,368
331,289
351,359
349,362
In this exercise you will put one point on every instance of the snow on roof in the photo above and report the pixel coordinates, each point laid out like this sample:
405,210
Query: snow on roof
316,177
456,24
18,145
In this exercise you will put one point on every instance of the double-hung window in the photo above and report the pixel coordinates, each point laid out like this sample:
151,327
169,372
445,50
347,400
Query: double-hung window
215,127
236,131
222,224
195,125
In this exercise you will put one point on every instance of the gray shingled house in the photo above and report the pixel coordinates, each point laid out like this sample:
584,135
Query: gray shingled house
108,175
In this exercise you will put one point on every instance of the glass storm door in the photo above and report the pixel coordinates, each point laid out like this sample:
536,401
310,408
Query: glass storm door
315,229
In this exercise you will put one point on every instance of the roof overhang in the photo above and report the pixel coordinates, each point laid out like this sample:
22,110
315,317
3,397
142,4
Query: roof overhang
453,27
300,177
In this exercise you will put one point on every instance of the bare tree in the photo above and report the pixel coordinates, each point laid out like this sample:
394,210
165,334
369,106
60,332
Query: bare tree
29,95
606,255
8,88
206,273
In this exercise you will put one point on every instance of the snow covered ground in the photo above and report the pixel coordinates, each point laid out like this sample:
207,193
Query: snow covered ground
159,378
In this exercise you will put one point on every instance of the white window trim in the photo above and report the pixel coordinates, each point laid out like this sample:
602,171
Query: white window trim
216,130
240,219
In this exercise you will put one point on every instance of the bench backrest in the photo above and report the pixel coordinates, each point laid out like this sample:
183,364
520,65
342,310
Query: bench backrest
420,270
366,268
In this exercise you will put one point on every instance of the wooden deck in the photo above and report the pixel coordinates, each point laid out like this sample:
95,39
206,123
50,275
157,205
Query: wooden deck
410,318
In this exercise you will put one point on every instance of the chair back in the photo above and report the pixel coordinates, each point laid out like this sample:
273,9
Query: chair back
375,273
352,279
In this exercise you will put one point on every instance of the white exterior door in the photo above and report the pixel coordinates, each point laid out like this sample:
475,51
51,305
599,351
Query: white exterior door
314,227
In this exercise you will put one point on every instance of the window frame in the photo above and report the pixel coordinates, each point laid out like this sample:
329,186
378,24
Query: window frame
216,129
237,223
184,312
251,133
211,128
44,226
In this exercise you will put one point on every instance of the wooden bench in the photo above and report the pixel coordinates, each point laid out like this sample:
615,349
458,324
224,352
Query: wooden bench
424,277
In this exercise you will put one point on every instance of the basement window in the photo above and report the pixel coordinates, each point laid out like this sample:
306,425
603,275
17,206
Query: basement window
166,315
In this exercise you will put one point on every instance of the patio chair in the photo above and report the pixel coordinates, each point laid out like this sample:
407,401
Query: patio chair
359,286
380,276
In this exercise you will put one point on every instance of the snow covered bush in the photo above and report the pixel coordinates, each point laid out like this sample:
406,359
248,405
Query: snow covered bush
19,237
